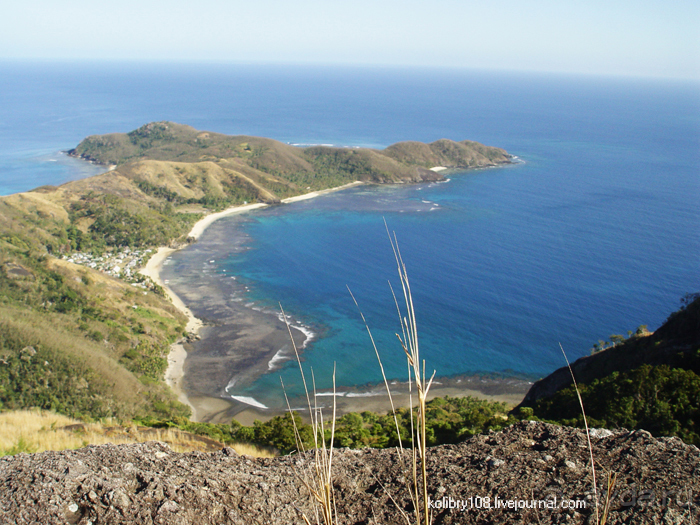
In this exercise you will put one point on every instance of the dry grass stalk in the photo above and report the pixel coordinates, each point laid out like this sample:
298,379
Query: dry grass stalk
409,342
320,482
611,479
408,339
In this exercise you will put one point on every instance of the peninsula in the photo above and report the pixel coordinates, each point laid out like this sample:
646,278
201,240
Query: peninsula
84,332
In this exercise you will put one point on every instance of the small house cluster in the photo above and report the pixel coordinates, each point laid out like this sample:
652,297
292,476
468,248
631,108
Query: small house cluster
122,264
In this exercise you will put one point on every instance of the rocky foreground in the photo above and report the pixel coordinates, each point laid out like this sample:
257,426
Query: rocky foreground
530,463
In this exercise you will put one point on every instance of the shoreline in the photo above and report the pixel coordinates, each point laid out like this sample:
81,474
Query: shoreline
175,373
489,387
318,193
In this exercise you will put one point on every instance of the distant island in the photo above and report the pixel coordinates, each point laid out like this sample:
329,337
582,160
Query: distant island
84,332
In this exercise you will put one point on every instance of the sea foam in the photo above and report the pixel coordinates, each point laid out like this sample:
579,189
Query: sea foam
249,401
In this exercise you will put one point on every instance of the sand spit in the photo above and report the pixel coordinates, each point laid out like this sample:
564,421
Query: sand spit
320,192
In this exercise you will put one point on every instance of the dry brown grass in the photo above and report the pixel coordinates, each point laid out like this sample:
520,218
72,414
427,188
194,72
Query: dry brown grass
46,330
38,431
319,480
49,204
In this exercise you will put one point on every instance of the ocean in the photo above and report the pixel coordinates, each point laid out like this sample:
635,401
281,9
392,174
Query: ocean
595,232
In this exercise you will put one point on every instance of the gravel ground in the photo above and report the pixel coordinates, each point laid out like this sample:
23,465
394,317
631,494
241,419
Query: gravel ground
487,477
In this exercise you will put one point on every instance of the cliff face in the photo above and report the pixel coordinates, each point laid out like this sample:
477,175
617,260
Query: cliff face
657,482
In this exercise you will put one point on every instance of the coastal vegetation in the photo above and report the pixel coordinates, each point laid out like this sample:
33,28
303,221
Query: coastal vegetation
647,381
449,420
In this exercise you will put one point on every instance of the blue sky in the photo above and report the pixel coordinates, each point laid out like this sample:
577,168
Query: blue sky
649,38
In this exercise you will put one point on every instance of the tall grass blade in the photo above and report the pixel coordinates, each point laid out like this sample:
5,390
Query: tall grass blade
588,435
320,485
409,343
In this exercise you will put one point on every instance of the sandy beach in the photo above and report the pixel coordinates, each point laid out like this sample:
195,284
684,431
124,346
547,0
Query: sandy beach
203,224
320,192
231,343
175,372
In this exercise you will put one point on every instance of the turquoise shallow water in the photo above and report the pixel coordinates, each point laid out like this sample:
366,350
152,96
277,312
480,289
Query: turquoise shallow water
595,233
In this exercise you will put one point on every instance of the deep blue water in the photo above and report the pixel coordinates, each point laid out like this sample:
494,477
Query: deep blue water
597,232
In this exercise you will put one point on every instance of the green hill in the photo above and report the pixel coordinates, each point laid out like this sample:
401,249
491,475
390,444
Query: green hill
649,381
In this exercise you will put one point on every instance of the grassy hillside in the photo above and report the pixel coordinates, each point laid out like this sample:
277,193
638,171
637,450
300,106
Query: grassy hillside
81,333
33,431
649,381
81,343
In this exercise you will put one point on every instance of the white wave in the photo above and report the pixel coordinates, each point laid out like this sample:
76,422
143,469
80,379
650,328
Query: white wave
308,333
363,394
277,358
327,394
249,401
349,394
